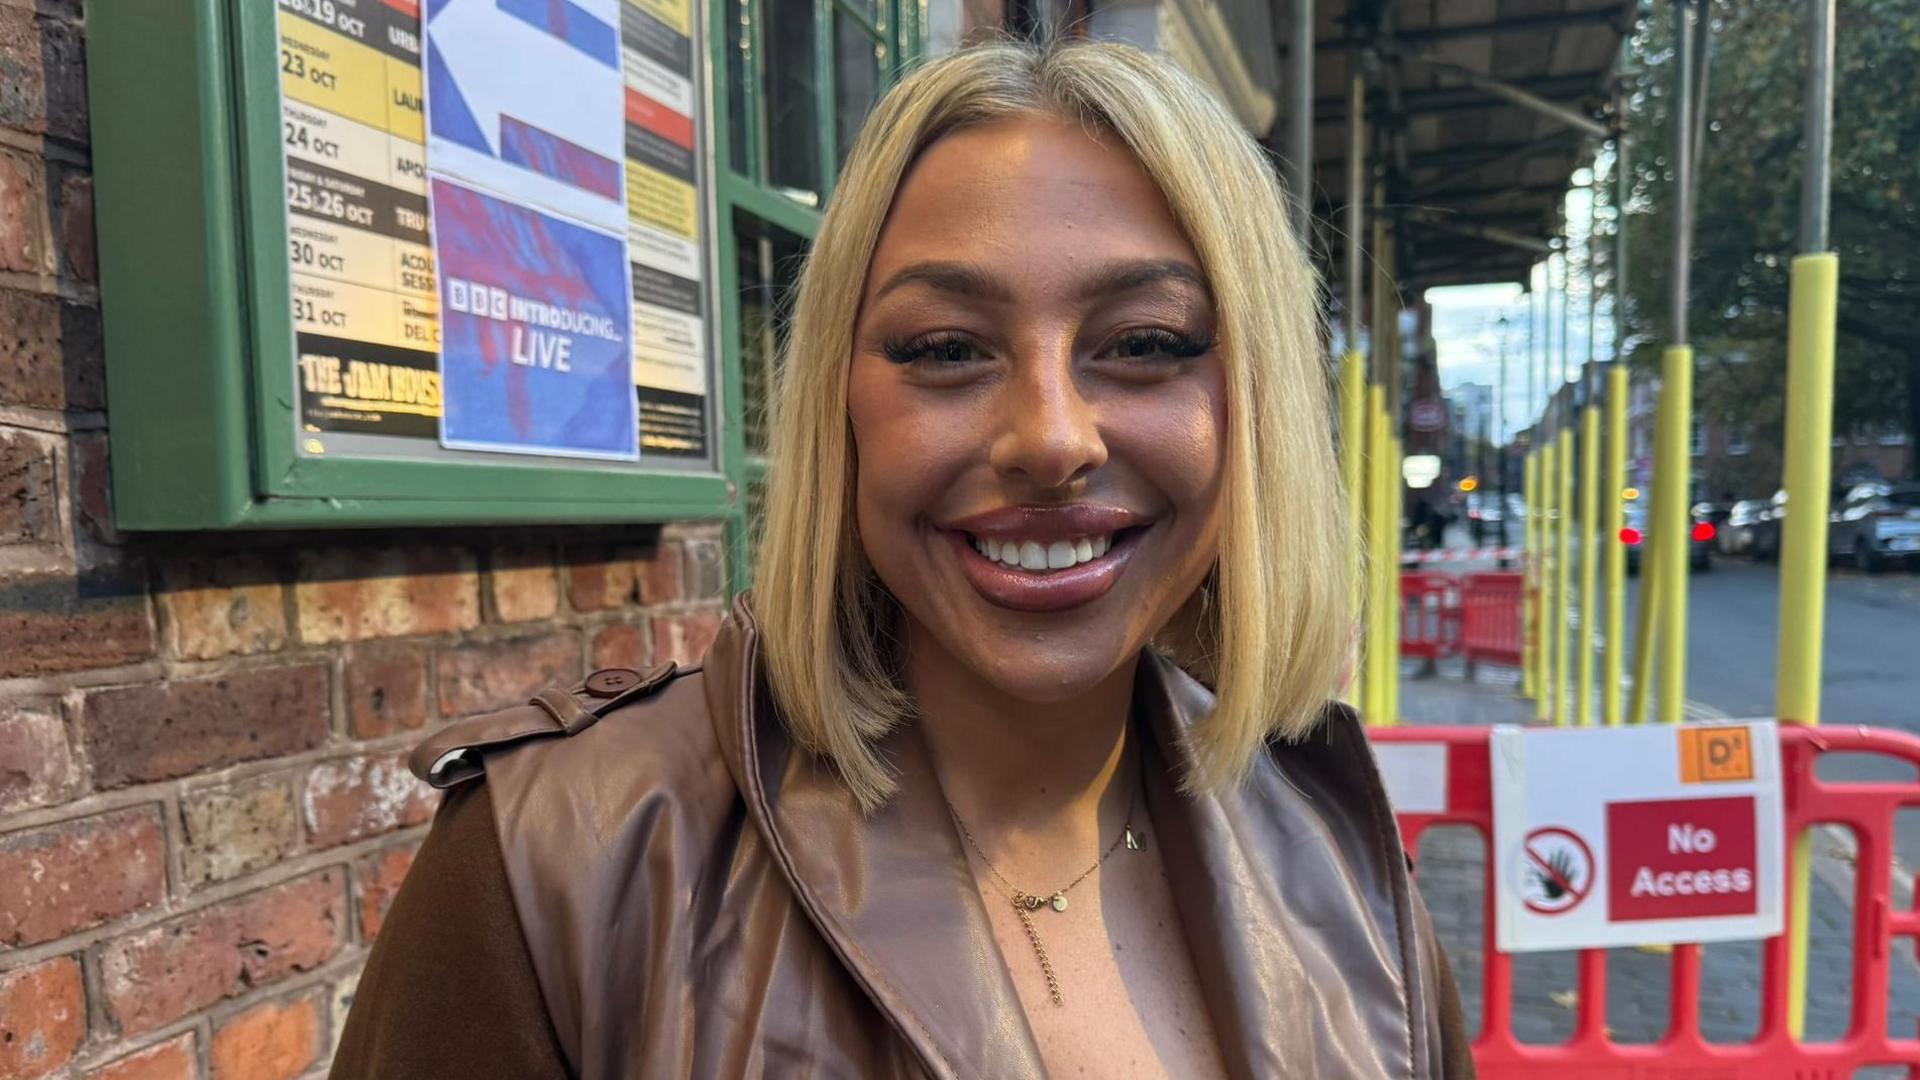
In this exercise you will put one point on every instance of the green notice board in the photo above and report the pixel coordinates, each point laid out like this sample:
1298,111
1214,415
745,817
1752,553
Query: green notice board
269,278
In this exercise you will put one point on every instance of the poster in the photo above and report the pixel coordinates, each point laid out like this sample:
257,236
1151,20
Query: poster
525,151
670,368
366,299
1665,833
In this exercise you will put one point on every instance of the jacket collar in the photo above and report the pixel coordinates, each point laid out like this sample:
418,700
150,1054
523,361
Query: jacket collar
875,884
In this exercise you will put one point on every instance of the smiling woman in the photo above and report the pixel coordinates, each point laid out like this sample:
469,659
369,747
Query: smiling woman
1003,770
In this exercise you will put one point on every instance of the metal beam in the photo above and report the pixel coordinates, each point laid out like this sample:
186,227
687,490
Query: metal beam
1455,156
1575,87
1620,18
1555,143
1511,93
1447,223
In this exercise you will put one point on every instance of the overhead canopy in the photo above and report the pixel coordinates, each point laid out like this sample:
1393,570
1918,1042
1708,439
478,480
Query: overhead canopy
1475,179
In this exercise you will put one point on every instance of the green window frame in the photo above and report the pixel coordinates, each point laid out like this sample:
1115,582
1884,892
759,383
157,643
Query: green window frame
791,86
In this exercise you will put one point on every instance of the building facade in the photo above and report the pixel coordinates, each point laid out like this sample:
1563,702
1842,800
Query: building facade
204,807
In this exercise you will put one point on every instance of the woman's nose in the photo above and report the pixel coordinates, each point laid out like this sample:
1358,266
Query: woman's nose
1048,433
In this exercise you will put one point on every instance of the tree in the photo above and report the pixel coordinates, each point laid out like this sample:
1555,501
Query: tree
1747,215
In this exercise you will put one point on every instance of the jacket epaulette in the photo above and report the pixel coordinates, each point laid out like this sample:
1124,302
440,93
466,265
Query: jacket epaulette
453,755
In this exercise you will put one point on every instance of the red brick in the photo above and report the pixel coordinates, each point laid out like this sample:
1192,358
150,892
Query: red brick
43,74
524,584
376,880
352,594
160,730
23,85
220,605
621,645
29,509
171,1060
156,976
230,831
492,675
23,213
79,257
350,800
603,578
706,570
50,352
274,1041
55,623
31,359
36,763
661,578
43,1017
684,638
90,487
386,690
64,878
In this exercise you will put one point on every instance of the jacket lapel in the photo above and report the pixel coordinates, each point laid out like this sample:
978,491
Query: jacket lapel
1275,883
891,893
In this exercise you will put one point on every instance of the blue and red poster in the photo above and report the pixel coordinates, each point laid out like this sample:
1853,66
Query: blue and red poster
534,325
526,143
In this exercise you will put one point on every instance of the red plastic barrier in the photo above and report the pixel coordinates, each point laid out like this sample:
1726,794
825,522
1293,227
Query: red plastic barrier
1490,618
1429,615
1867,809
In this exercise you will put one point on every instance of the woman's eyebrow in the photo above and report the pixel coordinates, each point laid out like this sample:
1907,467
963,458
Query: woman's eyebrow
1127,276
958,278
962,279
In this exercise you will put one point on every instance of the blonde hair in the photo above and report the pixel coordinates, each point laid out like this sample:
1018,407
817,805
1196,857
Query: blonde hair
1270,630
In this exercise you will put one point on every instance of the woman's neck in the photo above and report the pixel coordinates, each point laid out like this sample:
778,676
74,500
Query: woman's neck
1037,784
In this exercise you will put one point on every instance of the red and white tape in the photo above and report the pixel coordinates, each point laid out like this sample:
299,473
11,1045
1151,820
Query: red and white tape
1459,554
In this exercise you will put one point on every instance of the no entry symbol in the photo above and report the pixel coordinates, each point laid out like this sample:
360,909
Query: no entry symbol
1557,872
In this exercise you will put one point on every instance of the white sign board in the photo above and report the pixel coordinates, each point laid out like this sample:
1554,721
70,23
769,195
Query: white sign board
1643,835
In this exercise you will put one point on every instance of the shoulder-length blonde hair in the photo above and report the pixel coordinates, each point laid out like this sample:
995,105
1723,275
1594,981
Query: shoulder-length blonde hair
1270,630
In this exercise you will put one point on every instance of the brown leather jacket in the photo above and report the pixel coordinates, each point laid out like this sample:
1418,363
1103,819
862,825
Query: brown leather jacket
665,886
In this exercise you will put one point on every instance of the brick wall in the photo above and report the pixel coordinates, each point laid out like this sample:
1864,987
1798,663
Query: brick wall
204,809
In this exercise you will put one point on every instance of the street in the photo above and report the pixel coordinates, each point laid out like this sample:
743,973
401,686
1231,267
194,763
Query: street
1871,647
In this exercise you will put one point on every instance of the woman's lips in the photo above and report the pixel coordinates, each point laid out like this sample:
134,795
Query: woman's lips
1043,590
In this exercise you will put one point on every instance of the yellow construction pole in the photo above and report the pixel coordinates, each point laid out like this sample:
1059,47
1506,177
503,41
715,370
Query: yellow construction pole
1395,468
1383,607
1589,558
1811,314
1671,522
1543,707
1613,519
1530,579
1647,636
1562,565
1353,456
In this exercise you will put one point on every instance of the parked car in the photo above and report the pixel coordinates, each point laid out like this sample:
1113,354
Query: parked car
1699,539
1765,542
1737,533
1875,523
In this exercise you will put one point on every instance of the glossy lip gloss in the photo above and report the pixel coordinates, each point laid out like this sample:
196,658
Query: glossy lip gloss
1045,590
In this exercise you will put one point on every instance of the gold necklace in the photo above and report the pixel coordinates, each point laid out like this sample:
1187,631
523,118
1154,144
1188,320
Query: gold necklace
1026,903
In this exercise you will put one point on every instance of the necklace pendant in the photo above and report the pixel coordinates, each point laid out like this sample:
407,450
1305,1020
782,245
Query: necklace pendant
1059,902
1133,841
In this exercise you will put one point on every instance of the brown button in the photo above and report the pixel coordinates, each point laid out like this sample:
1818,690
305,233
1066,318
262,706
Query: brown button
612,682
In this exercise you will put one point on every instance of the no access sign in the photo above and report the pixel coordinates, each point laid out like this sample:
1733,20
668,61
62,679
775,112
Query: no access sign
1634,836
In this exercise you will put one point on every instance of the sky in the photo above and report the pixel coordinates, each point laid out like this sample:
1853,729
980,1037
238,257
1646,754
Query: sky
1467,334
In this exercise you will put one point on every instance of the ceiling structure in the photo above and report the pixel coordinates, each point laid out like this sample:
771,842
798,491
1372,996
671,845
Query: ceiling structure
1478,114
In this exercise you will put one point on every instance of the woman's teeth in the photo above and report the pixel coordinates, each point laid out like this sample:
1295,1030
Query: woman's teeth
1033,555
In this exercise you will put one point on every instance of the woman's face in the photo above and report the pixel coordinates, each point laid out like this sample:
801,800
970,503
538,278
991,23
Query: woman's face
1038,407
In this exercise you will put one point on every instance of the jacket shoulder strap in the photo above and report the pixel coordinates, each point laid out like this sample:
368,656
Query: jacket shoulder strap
455,754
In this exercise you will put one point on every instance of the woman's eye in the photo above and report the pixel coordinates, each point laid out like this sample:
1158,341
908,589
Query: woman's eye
934,350
1159,345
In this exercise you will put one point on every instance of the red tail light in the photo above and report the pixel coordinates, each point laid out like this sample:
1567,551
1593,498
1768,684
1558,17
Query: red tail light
1630,536
1702,532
